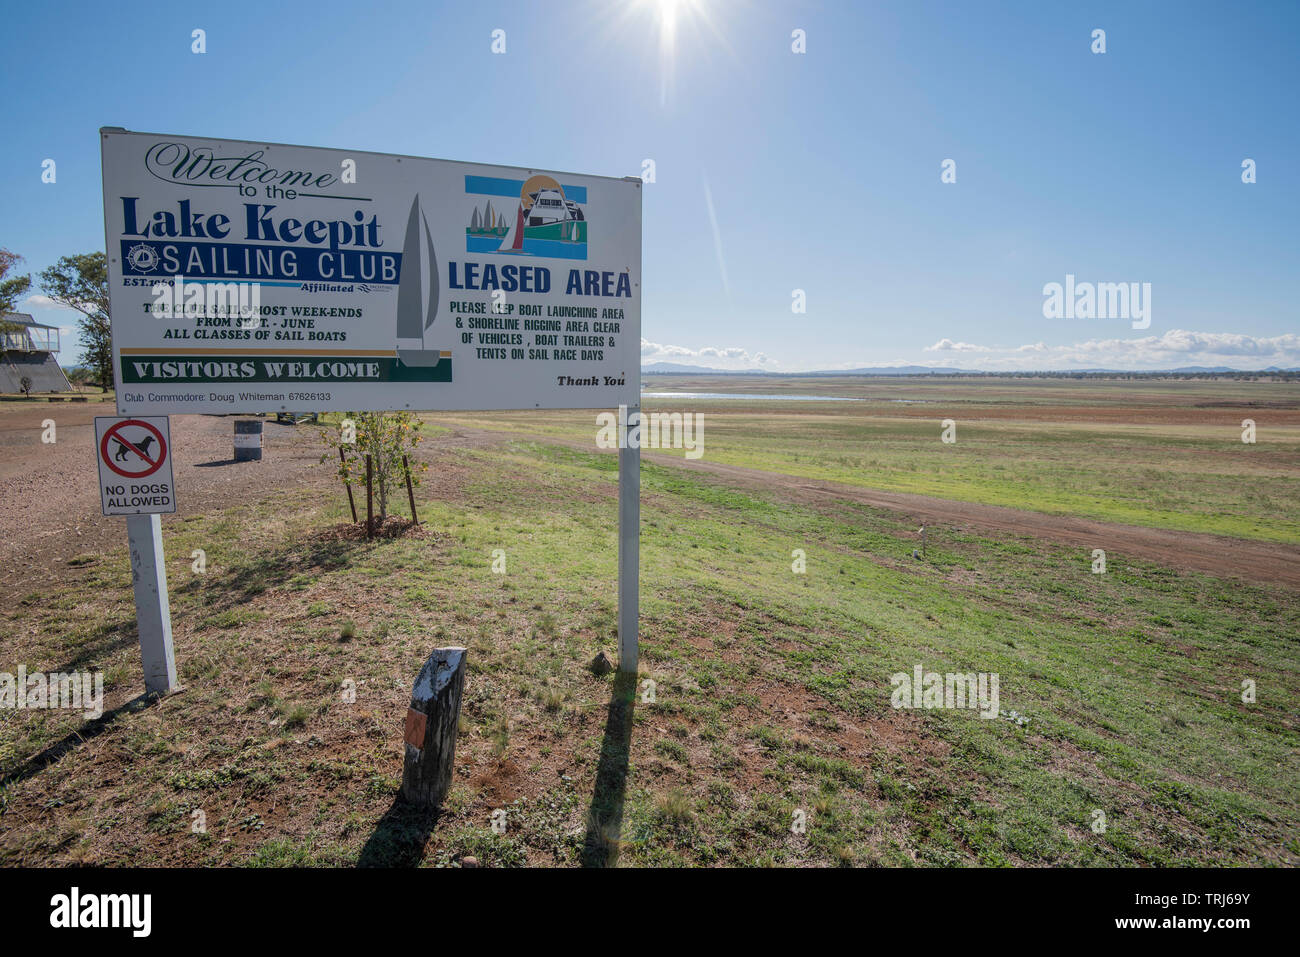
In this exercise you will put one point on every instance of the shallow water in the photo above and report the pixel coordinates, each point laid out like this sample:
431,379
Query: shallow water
749,396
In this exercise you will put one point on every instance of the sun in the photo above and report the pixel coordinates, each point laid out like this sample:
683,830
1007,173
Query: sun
668,12
695,23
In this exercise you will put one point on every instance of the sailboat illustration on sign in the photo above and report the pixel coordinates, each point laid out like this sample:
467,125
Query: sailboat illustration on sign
417,292
549,219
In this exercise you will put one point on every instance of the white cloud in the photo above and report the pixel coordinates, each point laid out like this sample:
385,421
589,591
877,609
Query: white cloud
947,345
731,357
1177,347
37,301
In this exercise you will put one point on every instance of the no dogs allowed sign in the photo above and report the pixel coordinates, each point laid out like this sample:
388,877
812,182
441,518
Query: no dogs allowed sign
135,465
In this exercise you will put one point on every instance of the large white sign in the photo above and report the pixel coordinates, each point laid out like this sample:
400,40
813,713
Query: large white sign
135,465
257,277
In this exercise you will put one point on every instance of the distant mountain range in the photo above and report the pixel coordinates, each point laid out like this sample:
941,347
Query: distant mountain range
677,368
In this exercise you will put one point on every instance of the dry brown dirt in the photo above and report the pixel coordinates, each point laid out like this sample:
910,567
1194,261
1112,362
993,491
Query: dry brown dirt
50,509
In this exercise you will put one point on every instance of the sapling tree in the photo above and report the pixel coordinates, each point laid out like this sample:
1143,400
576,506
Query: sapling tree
385,437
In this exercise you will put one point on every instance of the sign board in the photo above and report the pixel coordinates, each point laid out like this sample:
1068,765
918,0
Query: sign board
257,277
135,465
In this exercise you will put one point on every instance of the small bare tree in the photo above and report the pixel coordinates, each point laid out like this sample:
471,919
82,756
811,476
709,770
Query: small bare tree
386,437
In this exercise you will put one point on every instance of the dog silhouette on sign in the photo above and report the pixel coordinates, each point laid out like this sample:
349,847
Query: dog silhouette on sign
123,448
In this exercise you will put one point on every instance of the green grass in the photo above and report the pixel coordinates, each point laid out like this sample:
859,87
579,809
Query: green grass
1134,675
1193,474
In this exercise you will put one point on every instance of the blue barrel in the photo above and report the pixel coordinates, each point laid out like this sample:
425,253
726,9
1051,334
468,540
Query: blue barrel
248,440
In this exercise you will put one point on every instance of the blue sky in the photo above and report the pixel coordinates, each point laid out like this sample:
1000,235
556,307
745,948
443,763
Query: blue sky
820,170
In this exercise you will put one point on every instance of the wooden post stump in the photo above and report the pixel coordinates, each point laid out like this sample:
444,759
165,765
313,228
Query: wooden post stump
410,493
370,501
431,724
351,504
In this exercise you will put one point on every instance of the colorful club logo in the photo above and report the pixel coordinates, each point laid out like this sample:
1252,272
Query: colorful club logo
533,217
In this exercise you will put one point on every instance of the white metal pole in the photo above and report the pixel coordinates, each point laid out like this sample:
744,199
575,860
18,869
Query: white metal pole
629,539
152,610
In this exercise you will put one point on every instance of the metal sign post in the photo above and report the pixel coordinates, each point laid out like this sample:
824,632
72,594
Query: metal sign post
152,609
629,538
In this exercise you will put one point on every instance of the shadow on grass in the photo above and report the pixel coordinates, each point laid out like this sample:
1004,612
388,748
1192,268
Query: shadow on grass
269,569
605,816
102,642
93,728
399,837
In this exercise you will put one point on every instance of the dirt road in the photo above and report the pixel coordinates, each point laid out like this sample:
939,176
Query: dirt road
50,509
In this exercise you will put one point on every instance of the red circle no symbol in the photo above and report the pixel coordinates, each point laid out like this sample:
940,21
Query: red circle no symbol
126,449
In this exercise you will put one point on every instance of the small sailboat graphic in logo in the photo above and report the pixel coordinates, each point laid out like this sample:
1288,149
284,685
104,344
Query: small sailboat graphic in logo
417,292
